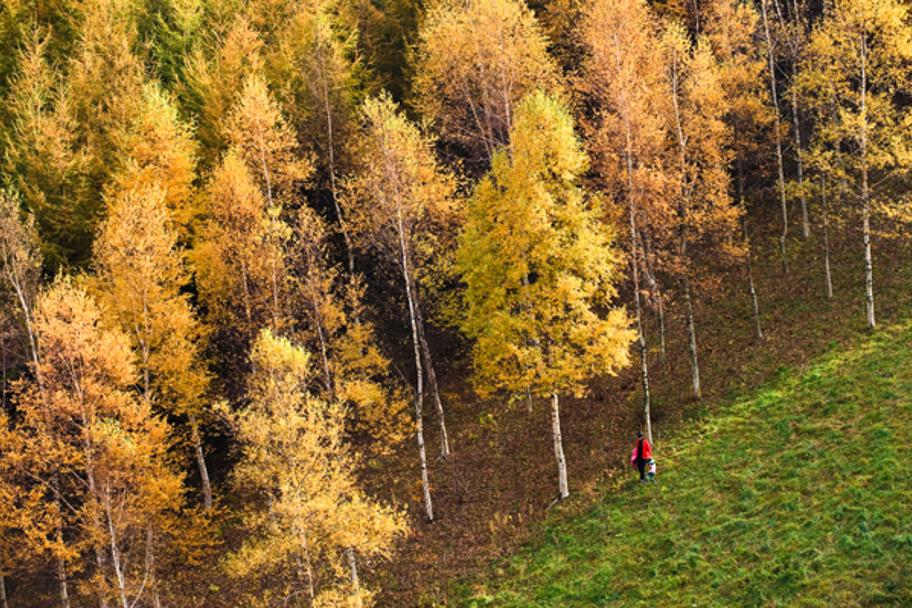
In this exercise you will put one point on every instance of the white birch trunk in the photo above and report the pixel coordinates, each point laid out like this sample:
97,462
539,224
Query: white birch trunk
419,373
150,567
559,448
61,570
796,125
868,263
749,262
777,133
826,241
657,295
755,302
308,568
99,550
353,572
3,601
432,381
634,273
865,194
692,342
115,553
201,462
331,156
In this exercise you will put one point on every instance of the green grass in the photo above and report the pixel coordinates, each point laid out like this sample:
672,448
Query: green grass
798,495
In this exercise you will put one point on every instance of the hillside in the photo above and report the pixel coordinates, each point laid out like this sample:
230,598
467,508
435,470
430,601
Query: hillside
795,494
345,303
493,493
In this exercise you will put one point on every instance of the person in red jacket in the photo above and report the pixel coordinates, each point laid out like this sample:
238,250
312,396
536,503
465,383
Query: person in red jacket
642,455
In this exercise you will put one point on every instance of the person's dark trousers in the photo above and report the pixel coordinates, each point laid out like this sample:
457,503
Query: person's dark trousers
641,467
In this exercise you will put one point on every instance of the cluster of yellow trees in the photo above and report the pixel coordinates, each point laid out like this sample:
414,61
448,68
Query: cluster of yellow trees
201,200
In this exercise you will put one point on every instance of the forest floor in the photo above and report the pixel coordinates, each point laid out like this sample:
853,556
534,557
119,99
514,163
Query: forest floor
492,495
795,495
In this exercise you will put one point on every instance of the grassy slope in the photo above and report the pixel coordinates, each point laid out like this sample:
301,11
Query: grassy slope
795,495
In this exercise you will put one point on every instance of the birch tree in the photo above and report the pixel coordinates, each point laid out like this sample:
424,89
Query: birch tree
307,507
85,427
732,32
401,200
343,342
862,51
539,267
322,78
21,265
473,63
623,74
765,8
707,220
141,274
240,254
793,18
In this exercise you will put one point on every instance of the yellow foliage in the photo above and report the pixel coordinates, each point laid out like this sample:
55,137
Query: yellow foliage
349,364
256,130
160,151
42,158
399,188
539,265
296,467
474,61
213,83
239,256
92,439
140,277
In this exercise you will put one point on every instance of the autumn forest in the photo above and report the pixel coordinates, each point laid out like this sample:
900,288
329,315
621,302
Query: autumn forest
271,270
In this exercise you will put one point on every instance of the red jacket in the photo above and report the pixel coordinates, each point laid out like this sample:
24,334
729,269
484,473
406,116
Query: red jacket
644,450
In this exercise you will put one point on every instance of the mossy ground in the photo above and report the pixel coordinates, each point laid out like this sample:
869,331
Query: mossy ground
797,494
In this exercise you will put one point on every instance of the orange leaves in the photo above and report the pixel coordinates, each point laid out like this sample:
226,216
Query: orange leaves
293,452
475,60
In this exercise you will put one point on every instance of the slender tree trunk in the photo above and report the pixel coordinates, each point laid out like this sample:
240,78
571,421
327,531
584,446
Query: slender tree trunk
662,350
657,294
826,240
696,10
331,156
62,574
868,262
752,290
432,380
692,341
248,310
115,553
778,135
755,302
559,448
308,568
865,193
635,276
99,550
3,368
353,572
796,125
419,373
150,567
3,601
201,462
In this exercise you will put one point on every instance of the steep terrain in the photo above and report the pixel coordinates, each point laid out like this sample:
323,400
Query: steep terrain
491,494
797,494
